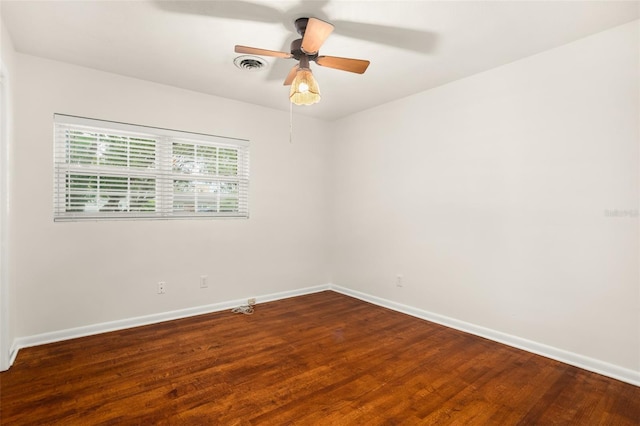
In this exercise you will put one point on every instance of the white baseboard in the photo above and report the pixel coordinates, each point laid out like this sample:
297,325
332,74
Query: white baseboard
571,358
73,333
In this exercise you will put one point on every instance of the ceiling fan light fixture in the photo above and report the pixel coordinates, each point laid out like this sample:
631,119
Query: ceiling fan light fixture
304,88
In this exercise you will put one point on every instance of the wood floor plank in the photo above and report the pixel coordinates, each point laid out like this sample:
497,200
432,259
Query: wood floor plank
321,359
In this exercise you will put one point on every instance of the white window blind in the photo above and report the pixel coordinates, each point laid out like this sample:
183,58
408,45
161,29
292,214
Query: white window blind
109,170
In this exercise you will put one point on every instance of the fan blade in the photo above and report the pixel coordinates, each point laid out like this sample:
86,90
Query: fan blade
345,64
290,76
315,34
263,52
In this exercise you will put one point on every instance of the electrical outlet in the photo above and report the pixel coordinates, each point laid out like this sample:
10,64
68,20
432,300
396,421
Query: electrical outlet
251,301
161,287
203,281
399,280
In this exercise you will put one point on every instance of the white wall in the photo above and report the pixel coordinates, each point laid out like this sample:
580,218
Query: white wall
489,195
76,274
7,77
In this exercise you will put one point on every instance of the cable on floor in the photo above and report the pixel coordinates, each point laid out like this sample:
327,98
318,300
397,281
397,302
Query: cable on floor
244,309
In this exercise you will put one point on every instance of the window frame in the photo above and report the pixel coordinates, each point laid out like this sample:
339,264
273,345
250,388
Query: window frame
208,183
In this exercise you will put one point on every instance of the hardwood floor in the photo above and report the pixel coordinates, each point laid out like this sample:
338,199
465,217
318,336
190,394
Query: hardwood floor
320,359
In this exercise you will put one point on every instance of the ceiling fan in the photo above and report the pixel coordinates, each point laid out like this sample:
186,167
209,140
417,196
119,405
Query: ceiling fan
314,32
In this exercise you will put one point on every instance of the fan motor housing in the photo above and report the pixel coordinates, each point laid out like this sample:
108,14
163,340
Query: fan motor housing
297,52
296,45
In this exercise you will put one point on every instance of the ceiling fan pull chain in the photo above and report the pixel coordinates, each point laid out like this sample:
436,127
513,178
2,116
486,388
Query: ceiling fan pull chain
290,122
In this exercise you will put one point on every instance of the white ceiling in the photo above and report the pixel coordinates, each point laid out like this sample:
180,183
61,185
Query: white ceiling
412,45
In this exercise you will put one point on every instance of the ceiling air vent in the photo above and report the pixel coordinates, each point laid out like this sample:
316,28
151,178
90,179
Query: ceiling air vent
250,62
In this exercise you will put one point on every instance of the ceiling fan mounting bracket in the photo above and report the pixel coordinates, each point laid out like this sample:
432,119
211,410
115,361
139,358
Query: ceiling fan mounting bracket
301,25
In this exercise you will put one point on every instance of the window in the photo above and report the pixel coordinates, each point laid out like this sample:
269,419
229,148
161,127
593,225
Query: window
109,170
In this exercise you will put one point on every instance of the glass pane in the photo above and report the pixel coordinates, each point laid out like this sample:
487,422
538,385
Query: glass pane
207,206
207,159
110,150
81,147
229,204
183,158
183,186
142,196
228,162
229,187
142,153
183,204
196,196
86,193
80,192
